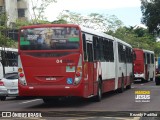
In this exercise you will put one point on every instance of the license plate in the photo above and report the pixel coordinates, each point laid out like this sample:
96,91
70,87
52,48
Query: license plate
13,90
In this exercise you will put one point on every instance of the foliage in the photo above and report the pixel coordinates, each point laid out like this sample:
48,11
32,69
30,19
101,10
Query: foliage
3,19
38,9
4,40
138,38
151,15
60,21
94,20
19,23
7,42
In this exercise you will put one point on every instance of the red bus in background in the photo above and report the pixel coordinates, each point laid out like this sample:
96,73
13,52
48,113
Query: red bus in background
57,60
144,65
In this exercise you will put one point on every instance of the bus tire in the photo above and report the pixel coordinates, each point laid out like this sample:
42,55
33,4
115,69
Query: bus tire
128,86
120,90
157,81
131,80
98,97
3,98
147,80
143,80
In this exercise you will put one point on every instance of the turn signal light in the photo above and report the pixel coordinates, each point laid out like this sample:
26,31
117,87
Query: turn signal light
20,70
79,69
78,74
1,83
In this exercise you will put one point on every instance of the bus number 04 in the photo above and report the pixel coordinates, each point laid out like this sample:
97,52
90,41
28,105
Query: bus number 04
58,61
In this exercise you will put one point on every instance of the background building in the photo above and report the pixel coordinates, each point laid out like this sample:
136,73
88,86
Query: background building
15,9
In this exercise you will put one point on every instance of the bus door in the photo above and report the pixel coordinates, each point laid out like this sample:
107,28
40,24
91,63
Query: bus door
90,68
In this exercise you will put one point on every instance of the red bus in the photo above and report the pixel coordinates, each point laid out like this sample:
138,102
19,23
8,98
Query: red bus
144,65
57,60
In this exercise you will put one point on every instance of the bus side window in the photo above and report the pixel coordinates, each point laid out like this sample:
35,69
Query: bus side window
84,46
0,56
120,53
111,54
105,49
101,42
90,52
95,46
144,56
152,58
148,58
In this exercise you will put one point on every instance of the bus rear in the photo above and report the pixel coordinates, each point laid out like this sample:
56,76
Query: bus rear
139,64
50,61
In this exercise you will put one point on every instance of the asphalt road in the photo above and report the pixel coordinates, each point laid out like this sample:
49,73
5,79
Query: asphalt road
121,105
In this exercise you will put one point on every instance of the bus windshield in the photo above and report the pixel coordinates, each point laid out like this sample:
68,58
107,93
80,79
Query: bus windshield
50,38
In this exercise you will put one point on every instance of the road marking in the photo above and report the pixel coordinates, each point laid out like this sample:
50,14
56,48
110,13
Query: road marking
115,118
80,118
124,118
29,101
136,118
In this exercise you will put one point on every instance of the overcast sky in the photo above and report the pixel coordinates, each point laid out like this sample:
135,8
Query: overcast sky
128,11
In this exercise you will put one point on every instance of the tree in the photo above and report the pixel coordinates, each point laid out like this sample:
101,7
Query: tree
38,8
60,21
151,15
5,41
19,23
139,37
94,20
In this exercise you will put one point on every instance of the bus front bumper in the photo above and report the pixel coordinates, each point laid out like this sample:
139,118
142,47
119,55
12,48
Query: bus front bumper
137,76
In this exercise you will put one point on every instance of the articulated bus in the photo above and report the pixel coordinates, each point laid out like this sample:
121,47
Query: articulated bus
57,60
144,65
8,60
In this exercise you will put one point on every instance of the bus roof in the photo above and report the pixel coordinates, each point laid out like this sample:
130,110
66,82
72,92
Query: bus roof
146,51
84,29
88,30
49,25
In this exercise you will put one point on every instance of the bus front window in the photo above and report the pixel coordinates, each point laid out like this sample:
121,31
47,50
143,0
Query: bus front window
52,38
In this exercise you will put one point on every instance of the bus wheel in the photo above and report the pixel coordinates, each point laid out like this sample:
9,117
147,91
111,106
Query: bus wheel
157,81
98,97
3,98
129,86
122,85
143,80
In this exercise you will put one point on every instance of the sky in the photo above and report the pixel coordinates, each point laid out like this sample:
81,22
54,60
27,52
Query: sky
128,11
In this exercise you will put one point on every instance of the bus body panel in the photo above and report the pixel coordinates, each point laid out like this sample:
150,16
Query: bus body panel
144,65
49,70
1,69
